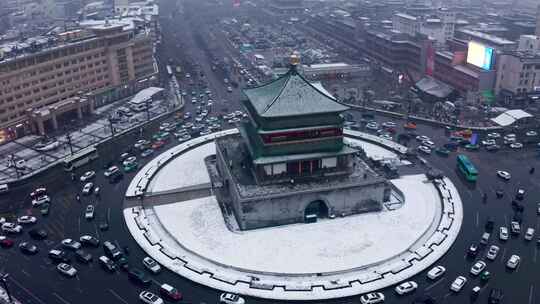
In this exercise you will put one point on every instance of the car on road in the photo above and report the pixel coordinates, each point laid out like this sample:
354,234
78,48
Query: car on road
107,263
89,240
429,144
58,256
372,298
529,234
372,126
494,135
37,234
520,193
493,148
503,233
147,152
88,175
504,174
8,227
111,170
531,133
436,272
406,287
458,284
83,256
40,191
231,298
515,228
516,145
473,250
138,276
87,189
71,244
151,265
45,209
422,138
513,261
492,252
538,208
28,248
424,149
130,167
141,144
185,137
89,212
6,242
40,200
66,269
170,292
111,250
129,160
478,267
488,142
388,124
26,220
149,298
496,296
158,144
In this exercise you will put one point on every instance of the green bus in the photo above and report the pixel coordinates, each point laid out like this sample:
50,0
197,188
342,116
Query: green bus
466,167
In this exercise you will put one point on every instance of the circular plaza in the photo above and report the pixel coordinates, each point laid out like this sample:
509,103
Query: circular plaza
172,211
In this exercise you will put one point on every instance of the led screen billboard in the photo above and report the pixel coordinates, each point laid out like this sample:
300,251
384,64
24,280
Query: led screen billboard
480,55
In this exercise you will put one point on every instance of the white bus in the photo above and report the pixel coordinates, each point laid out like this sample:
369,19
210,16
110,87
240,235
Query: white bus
80,158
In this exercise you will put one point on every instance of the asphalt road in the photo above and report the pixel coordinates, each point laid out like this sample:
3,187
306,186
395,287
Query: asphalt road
33,279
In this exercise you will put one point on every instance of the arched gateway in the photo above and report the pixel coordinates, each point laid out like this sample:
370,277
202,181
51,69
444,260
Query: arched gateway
315,210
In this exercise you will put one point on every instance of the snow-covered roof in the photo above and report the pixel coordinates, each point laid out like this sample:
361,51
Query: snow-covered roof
145,94
509,117
291,95
433,87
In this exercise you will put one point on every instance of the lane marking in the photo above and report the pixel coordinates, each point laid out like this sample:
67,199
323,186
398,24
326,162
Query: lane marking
118,296
434,284
531,293
477,219
26,290
60,298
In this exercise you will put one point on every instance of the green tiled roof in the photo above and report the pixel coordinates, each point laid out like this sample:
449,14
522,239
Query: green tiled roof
292,95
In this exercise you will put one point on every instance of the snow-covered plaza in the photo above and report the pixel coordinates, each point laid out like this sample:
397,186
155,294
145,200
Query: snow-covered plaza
179,222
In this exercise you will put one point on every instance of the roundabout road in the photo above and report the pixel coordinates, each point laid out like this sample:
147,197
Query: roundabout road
33,279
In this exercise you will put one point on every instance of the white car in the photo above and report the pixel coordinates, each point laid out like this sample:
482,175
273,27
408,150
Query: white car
150,298
489,142
88,175
436,272
516,145
112,170
230,298
66,269
372,126
429,144
372,298
492,252
494,135
458,284
27,219
513,261
504,175
389,124
71,244
41,200
529,234
151,265
406,287
89,212
140,144
422,138
503,233
130,160
478,267
11,228
87,189
424,149
531,133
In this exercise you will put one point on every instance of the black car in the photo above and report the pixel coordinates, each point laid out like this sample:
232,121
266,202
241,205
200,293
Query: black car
83,256
499,193
38,234
45,208
489,225
138,276
123,262
89,240
58,256
28,248
495,296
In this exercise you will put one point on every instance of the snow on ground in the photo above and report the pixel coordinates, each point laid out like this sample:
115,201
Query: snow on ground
305,248
185,171
373,151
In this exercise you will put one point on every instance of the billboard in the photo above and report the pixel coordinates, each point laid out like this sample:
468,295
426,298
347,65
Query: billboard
479,55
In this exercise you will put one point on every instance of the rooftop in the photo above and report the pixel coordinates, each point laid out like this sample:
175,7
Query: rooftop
291,95
487,37
405,16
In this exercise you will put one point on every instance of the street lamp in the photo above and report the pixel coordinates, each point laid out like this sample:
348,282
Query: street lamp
3,278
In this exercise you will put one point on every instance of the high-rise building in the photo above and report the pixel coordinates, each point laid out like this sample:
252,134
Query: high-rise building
98,65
